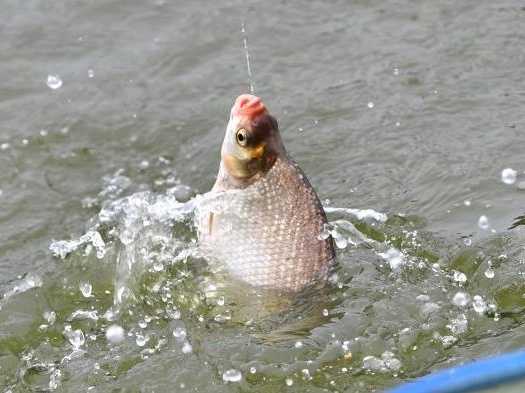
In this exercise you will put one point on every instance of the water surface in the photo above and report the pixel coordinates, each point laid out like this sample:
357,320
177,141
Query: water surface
410,109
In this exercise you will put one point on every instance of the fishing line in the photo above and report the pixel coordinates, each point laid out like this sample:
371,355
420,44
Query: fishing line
247,56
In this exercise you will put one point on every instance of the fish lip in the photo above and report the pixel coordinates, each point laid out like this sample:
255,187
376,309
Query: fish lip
249,106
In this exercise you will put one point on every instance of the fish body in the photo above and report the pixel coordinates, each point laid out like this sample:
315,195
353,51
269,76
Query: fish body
265,221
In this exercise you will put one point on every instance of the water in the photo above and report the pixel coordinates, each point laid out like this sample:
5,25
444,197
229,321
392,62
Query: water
102,167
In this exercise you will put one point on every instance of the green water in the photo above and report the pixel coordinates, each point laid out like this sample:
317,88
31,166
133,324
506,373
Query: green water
410,109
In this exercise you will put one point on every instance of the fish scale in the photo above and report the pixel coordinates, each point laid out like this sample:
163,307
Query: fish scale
268,234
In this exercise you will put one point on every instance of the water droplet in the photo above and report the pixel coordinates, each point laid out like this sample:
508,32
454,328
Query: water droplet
86,288
461,299
459,277
173,313
306,374
370,104
220,301
396,71
43,133
253,370
458,325
4,146
483,222
25,142
158,266
298,344
289,381
467,241
187,348
142,324
448,341
325,312
341,242
50,317
398,123
141,340
91,73
75,337
232,375
179,333
508,176
479,304
54,82
489,273
115,334
467,202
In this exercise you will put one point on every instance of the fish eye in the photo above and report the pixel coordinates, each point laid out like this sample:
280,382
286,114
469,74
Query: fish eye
242,137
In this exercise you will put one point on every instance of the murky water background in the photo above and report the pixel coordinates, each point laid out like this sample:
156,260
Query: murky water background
410,109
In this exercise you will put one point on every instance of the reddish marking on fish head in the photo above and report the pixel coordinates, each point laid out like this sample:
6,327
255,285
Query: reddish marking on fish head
248,106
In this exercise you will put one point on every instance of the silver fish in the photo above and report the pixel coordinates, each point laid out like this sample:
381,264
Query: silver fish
263,220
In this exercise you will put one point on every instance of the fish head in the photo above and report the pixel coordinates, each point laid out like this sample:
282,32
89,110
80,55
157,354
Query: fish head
252,141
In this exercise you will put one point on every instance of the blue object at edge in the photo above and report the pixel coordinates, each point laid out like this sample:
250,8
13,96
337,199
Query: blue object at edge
479,374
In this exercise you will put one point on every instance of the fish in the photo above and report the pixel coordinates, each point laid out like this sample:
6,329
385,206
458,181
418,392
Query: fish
263,221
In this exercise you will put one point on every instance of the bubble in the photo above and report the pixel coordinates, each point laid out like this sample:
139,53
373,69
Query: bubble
85,288
370,105
467,202
288,381
54,82
461,299
187,348
467,241
325,312
115,334
232,375
44,133
396,71
253,370
479,304
483,223
398,123
91,73
508,176
4,146
298,344
489,273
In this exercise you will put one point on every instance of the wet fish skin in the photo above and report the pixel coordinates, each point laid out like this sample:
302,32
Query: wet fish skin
266,219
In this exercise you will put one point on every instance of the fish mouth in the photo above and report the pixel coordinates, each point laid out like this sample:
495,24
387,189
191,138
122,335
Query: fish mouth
248,106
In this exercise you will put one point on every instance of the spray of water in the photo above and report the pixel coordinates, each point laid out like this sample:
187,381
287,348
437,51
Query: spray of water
247,56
